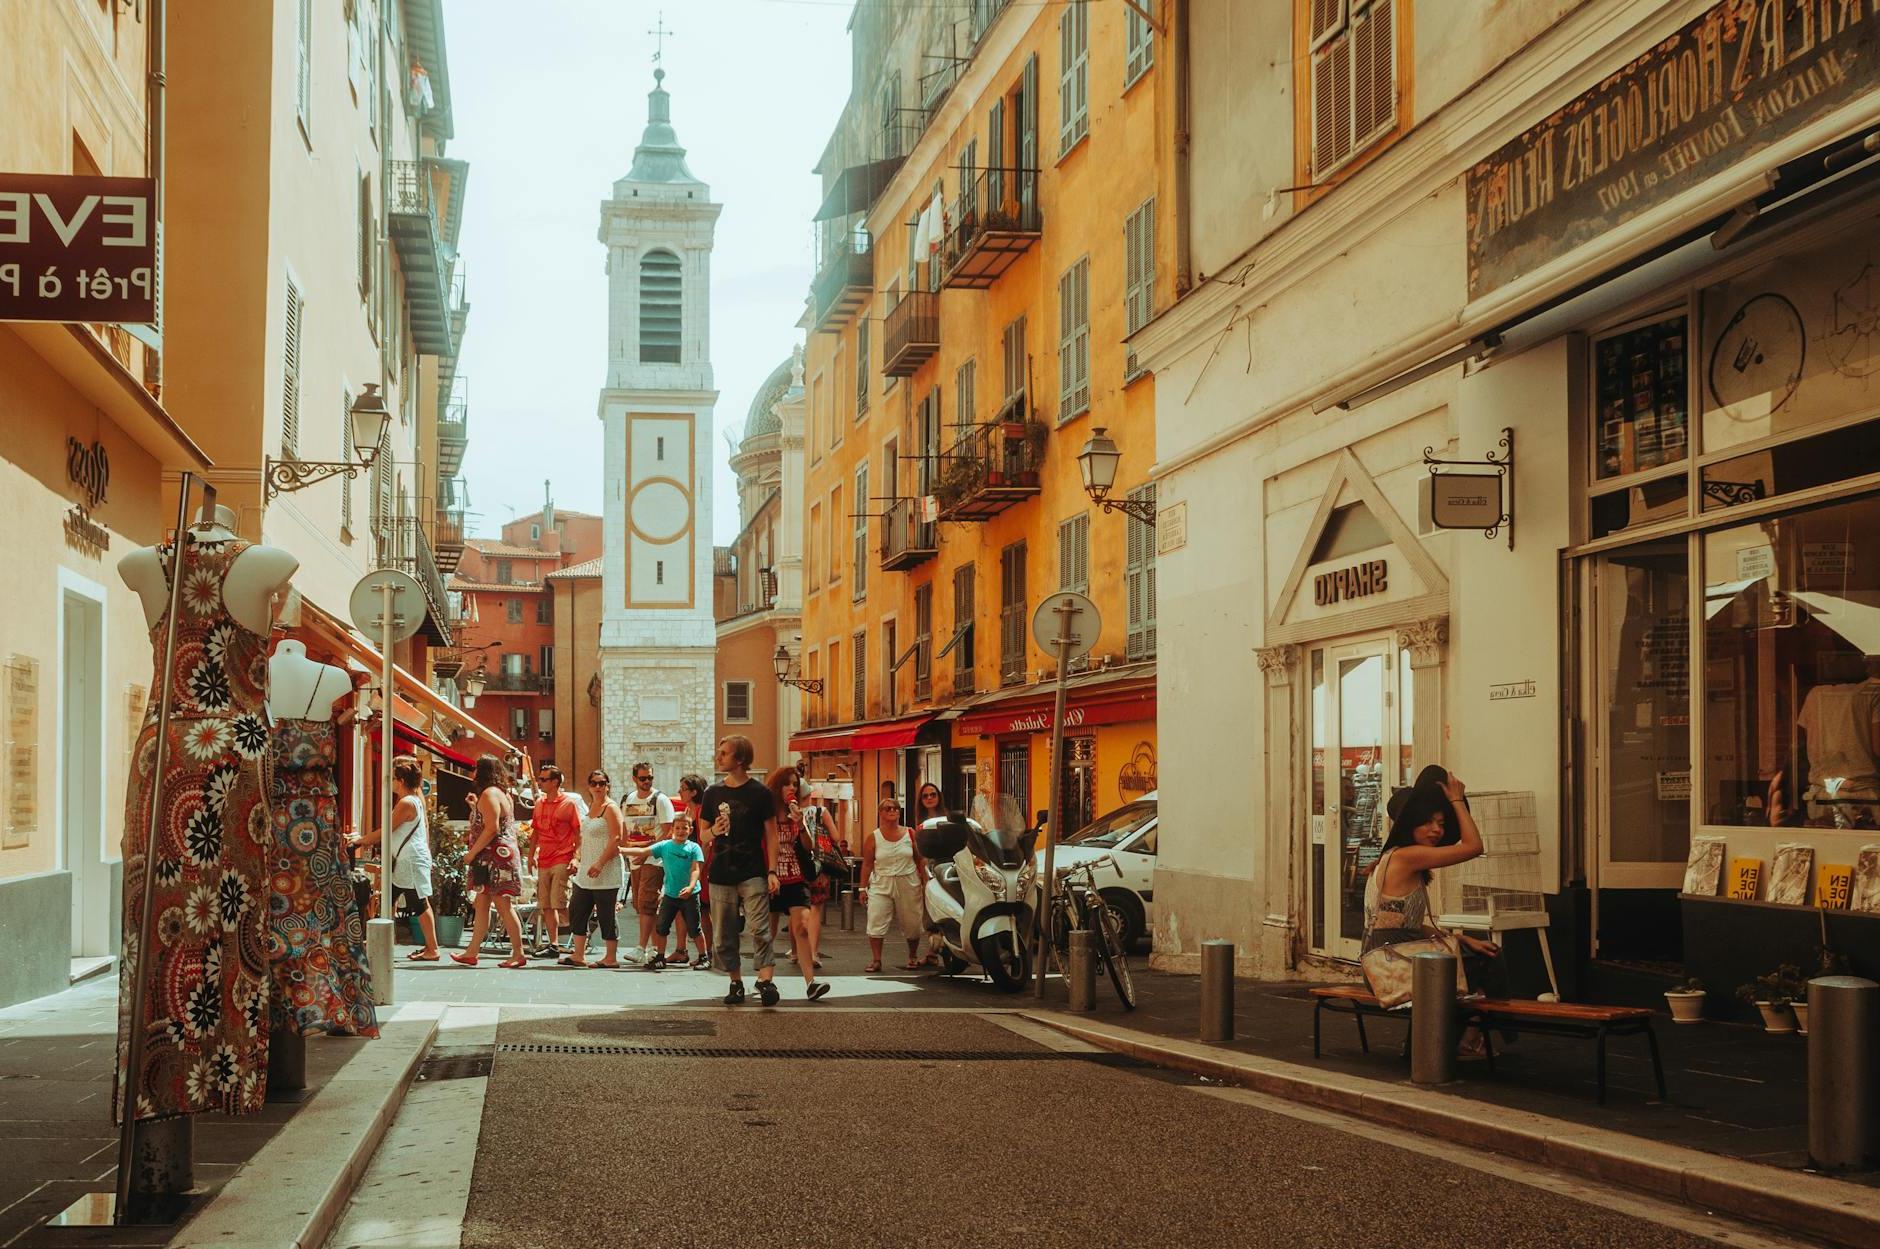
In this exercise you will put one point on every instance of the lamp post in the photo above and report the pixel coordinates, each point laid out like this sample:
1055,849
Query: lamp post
1098,461
789,674
471,687
369,417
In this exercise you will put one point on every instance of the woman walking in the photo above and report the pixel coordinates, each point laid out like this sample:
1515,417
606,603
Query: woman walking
893,875
793,895
495,862
411,853
598,875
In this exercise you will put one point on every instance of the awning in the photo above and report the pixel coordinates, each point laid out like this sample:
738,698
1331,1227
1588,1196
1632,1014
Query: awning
890,736
410,739
857,188
1095,698
821,743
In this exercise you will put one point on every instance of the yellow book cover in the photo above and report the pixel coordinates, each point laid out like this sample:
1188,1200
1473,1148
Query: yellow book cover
1745,875
1834,886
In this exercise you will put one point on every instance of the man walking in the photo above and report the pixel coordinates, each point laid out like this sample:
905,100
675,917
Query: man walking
557,826
648,815
743,819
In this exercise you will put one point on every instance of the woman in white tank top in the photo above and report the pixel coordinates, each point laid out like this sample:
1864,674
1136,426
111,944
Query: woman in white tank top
598,875
893,876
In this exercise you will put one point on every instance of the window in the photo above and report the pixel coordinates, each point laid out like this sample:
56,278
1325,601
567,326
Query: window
1077,800
303,60
659,449
1074,341
366,236
737,702
811,556
514,613
545,723
1354,78
1641,397
542,609
1139,576
535,533
660,290
514,663
858,657
835,535
1074,553
965,387
659,572
546,657
862,367
1016,364
890,639
1073,75
923,641
519,719
1138,44
891,143
296,312
1014,614
1139,277
962,642
505,572
860,554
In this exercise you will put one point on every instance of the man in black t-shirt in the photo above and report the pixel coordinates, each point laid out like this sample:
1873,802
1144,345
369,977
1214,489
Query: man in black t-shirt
743,819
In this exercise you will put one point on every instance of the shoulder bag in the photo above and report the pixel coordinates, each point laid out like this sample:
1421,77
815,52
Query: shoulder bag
1388,969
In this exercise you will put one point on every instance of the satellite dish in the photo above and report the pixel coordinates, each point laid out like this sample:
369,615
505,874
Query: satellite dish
368,604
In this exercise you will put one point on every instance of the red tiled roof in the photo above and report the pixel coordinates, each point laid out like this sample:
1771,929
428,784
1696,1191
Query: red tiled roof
591,569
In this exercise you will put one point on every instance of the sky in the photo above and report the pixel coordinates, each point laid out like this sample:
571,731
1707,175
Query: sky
549,100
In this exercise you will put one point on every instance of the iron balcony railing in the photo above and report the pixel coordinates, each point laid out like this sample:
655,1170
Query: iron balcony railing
911,336
502,682
906,540
994,220
404,545
991,466
453,438
844,279
411,220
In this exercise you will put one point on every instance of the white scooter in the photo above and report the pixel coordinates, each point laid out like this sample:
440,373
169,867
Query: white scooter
982,895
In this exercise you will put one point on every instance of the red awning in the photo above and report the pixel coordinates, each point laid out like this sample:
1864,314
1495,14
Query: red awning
410,739
1036,717
890,736
821,743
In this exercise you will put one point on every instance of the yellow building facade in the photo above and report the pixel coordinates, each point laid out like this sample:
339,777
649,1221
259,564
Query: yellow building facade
989,239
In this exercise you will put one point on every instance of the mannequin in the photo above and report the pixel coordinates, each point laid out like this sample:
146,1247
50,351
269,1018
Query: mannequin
300,688
257,576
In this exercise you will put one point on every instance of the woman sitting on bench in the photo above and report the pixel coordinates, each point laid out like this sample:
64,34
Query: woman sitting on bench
1430,827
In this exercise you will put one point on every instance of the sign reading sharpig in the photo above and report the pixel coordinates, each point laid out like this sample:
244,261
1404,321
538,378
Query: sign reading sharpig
78,248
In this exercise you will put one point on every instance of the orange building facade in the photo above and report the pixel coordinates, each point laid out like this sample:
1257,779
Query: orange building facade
989,240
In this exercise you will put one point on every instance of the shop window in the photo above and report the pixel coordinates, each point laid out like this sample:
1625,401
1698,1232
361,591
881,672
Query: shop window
1792,670
1642,397
1014,783
1077,801
1819,460
1644,614
1647,503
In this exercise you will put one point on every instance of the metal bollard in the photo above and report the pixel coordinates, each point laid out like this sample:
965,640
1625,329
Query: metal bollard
287,1062
1081,970
162,1159
1433,1018
1217,991
848,910
1843,1072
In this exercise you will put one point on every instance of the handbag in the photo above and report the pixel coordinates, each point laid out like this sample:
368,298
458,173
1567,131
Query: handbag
1389,971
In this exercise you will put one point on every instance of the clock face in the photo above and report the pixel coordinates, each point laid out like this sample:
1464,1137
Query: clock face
1756,363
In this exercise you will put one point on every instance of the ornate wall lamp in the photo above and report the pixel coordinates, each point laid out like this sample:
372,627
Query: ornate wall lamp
370,417
1098,461
788,673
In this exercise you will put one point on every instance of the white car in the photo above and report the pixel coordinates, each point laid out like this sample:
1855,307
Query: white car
1127,835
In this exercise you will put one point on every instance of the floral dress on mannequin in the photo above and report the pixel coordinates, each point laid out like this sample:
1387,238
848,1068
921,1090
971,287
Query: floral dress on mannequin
205,1020
316,940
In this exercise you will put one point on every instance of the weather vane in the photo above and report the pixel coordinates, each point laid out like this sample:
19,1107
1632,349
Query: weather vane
659,32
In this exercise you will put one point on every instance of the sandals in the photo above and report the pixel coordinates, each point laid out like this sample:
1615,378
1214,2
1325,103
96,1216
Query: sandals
421,958
910,965
569,960
464,960
514,963
613,964
875,966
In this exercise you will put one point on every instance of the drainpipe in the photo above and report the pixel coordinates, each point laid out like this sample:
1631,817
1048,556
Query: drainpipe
1184,266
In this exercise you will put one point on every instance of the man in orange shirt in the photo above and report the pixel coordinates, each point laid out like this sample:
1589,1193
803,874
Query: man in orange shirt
557,827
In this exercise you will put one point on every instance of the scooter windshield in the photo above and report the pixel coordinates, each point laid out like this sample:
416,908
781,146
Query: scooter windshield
939,839
1001,847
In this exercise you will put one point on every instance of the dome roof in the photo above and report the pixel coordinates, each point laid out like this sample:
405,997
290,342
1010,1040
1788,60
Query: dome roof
660,158
762,420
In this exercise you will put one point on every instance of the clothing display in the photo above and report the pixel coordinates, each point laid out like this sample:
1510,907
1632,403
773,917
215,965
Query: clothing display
205,1021
498,866
316,939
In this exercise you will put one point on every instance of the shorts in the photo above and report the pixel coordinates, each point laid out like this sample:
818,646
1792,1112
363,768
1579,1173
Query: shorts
648,884
895,901
685,908
551,886
409,901
790,897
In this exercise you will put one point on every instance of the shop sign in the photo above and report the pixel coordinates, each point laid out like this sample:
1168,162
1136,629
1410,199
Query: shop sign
1357,581
78,249
1728,84
84,533
1465,500
1038,720
1506,690
1755,562
89,468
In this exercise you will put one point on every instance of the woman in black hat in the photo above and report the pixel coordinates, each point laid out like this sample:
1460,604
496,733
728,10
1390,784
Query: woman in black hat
1430,828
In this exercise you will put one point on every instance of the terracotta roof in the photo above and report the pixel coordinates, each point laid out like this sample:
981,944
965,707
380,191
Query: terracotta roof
458,583
490,546
576,572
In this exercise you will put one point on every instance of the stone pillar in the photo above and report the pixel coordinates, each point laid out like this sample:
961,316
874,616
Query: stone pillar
1428,644
1280,894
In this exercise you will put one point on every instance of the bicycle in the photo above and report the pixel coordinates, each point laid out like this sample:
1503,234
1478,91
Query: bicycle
1077,904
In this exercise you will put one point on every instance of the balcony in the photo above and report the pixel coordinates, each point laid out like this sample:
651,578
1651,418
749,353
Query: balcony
411,219
907,541
459,315
995,220
911,336
844,282
405,546
504,682
992,466
447,546
453,438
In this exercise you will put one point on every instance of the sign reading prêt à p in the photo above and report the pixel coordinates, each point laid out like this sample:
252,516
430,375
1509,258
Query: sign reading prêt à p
75,248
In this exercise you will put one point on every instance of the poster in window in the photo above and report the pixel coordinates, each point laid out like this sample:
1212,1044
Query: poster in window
1703,871
1745,876
1834,885
1866,881
1789,874
1641,398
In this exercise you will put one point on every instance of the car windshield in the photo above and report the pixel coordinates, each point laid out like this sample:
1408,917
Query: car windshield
1113,829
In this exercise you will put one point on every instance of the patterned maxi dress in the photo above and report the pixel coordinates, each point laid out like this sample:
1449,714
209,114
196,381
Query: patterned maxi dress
205,1021
498,868
316,940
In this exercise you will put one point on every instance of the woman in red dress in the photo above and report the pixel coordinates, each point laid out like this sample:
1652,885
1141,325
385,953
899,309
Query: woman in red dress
495,862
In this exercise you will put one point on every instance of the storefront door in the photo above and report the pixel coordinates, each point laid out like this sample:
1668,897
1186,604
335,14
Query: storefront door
81,770
1015,780
1361,748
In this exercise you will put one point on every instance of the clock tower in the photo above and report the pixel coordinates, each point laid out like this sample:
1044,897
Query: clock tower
657,642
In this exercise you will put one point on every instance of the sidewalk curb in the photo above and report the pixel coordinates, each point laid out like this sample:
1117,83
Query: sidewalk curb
300,1182
1791,1201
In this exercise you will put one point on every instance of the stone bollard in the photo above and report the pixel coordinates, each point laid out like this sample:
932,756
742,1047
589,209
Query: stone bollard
162,1161
1081,970
1217,991
1433,1018
848,910
1843,1072
287,1063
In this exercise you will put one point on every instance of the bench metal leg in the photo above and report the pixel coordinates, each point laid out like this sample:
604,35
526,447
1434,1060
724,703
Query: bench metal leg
1318,1011
1658,1069
1488,1042
1364,1042
1600,1065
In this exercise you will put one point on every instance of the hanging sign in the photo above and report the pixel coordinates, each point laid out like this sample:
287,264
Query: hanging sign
1738,78
78,249
1465,500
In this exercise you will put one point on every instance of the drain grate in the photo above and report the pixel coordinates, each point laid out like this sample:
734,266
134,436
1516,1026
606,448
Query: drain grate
456,1062
802,1053
631,1026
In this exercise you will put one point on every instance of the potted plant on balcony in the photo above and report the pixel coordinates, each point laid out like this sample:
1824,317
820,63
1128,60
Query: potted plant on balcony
958,480
1036,432
1773,994
1686,1001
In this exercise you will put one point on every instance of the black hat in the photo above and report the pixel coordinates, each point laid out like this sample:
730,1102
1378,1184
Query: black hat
1410,808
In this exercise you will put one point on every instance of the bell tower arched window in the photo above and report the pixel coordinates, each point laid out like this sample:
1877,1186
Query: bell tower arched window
659,308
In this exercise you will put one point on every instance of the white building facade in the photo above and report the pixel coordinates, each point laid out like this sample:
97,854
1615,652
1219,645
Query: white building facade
658,696
1631,246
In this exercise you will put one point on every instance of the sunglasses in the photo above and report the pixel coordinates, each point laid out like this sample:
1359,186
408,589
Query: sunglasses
599,780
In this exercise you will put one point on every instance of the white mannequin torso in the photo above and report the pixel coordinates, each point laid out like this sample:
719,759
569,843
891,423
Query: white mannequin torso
300,688
258,574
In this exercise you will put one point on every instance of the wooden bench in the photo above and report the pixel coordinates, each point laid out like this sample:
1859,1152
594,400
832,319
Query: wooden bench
1568,1019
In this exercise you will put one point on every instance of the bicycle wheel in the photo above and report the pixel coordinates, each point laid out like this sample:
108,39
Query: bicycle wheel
1109,943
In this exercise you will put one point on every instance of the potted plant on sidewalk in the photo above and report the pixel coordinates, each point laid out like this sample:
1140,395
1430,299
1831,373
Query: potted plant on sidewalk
1686,1001
449,902
1773,994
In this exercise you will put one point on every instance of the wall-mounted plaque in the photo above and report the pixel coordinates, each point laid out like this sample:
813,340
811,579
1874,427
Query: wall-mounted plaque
19,814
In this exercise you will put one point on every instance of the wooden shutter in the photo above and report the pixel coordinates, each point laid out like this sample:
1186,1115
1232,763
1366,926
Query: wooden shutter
303,49
1028,140
1073,75
1074,341
1140,574
1374,72
995,157
1012,613
858,648
1331,106
365,234
1139,45
1074,554
1354,78
1015,358
1139,282
296,308
861,531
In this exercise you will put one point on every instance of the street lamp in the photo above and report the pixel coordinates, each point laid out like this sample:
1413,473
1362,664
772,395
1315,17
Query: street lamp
1098,461
786,667
472,685
369,417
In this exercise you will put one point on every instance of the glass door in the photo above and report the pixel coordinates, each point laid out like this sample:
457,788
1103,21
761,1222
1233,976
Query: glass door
1360,751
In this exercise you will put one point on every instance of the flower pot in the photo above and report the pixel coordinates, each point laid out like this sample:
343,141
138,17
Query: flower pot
1014,431
1685,1007
1776,1017
1801,1016
450,930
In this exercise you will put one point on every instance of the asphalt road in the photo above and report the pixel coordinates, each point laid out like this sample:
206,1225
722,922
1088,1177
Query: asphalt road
868,1128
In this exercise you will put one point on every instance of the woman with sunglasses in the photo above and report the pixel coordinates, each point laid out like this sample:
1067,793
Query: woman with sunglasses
929,805
598,875
495,862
